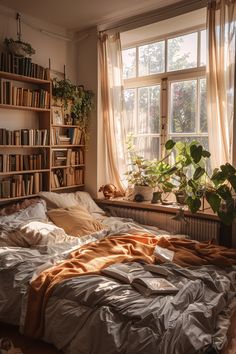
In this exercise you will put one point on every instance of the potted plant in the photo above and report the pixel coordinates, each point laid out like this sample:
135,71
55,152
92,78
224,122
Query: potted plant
192,179
147,176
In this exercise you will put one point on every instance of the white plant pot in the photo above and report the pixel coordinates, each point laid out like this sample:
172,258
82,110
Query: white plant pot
145,191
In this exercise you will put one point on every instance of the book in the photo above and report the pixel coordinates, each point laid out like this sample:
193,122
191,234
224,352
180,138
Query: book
157,269
140,278
125,272
150,286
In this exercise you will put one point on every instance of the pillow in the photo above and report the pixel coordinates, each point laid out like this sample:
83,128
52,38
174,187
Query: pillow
13,208
76,221
35,211
58,200
39,233
86,200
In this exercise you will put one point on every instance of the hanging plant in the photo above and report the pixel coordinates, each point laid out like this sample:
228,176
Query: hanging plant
63,90
18,47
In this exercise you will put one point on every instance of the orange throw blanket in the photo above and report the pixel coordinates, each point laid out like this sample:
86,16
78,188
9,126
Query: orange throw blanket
90,259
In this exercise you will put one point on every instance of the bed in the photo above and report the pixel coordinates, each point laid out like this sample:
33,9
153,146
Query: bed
52,286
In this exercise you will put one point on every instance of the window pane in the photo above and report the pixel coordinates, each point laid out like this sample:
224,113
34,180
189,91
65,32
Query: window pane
149,109
203,106
183,106
203,48
129,63
148,146
182,52
130,105
152,58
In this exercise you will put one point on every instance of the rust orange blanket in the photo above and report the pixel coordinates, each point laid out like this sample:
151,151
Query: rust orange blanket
116,249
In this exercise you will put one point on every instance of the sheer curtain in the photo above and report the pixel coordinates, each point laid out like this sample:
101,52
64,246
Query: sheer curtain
110,57
221,27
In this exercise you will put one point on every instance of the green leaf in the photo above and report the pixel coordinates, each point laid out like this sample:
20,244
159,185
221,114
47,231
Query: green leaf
194,204
169,144
224,192
206,153
228,169
199,172
218,178
192,184
196,153
214,200
232,181
169,185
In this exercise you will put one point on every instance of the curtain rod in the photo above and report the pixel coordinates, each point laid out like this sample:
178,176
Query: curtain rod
153,16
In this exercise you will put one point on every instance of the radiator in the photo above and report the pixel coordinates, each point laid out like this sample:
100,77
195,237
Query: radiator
196,228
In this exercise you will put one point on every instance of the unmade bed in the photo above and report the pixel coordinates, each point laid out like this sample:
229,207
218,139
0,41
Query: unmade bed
51,285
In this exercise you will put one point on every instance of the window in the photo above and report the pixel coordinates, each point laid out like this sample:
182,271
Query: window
165,91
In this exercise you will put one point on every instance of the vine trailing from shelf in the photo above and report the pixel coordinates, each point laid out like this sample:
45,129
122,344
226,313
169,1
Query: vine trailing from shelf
77,99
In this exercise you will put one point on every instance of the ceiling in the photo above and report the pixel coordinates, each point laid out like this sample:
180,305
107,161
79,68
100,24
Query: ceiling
82,14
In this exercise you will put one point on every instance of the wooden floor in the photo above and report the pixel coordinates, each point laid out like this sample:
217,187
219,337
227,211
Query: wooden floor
28,346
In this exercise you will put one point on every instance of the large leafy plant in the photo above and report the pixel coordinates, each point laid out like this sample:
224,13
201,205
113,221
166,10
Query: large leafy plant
192,177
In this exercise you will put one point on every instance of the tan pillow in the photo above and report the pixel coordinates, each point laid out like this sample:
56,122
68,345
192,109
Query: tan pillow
76,221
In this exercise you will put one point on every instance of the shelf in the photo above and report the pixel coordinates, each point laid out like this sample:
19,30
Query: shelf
22,172
67,166
16,77
24,108
67,187
66,146
65,125
16,198
25,146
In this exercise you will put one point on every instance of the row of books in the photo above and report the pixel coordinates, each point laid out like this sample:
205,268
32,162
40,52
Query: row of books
21,185
66,136
19,96
67,177
67,157
17,162
22,66
32,137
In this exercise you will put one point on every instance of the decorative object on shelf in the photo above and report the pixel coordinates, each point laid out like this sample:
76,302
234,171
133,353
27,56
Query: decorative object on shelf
139,198
57,115
18,47
110,191
145,191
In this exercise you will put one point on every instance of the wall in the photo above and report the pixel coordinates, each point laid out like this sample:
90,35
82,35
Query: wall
88,75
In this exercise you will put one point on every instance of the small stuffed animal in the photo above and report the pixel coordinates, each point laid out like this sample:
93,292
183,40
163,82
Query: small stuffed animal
110,191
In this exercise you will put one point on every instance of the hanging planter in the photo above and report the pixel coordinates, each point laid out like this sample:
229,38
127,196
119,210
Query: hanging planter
18,47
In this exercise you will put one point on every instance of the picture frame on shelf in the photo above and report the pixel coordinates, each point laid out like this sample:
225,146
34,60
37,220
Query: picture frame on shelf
57,115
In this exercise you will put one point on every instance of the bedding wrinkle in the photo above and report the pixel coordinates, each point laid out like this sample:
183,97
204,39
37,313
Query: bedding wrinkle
90,259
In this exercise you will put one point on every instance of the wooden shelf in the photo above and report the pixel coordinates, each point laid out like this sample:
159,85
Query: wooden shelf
67,187
65,125
24,108
16,77
67,166
22,172
17,198
66,146
24,146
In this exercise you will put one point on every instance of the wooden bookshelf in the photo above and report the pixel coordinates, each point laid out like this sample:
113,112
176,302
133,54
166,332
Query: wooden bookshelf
72,169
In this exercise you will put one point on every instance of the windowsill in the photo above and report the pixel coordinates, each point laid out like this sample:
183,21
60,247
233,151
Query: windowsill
170,209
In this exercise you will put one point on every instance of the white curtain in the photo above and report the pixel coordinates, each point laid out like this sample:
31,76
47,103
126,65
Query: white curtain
110,56
221,28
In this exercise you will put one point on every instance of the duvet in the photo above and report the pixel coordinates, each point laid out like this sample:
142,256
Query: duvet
89,313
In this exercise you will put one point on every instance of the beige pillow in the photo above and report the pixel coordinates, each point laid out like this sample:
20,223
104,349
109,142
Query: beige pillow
59,200
76,221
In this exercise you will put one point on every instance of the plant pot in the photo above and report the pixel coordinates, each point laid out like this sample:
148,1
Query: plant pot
145,191
181,197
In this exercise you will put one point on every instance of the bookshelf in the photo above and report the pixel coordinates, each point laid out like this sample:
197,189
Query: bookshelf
35,154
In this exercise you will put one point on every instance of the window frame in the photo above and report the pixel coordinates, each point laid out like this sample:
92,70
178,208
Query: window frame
165,79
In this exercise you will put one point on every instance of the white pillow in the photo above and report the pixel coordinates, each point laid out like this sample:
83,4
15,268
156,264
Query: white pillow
32,212
86,200
59,200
